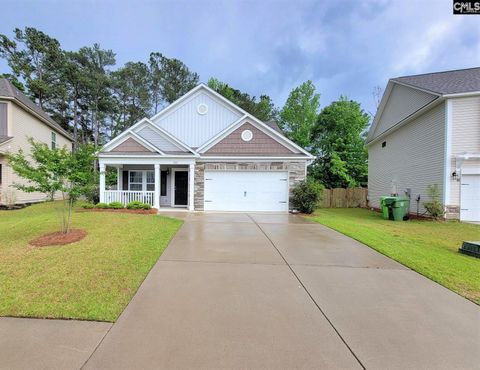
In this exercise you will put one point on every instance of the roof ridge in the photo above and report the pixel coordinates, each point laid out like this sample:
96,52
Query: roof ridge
439,72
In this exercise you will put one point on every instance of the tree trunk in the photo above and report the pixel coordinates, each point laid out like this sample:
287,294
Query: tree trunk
75,122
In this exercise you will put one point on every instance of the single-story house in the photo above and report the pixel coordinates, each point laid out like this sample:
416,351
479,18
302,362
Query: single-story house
427,131
204,153
21,118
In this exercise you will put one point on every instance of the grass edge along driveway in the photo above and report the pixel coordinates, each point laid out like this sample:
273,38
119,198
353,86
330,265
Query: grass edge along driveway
93,279
425,246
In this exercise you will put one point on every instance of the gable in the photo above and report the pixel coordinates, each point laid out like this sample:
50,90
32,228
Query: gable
402,102
159,141
193,128
130,146
260,144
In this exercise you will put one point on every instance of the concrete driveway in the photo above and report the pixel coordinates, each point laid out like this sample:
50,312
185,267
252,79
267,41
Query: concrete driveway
274,291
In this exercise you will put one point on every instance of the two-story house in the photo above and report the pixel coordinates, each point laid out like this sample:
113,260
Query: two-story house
20,119
427,131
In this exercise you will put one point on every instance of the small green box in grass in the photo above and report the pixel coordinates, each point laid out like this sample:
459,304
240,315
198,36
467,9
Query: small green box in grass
471,248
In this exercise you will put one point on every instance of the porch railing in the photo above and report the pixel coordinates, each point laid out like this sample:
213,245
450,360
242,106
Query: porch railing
127,196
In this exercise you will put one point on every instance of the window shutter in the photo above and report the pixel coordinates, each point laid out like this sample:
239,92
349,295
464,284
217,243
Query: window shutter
125,180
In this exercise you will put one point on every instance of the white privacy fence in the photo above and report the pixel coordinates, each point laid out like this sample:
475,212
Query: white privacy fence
127,196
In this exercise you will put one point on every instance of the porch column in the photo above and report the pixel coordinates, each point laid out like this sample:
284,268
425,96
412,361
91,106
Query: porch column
119,179
102,182
156,200
191,186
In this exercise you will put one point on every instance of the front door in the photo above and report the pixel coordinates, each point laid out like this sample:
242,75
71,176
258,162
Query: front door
181,188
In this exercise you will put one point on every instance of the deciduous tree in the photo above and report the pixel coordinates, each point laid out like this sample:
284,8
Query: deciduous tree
339,143
56,170
299,114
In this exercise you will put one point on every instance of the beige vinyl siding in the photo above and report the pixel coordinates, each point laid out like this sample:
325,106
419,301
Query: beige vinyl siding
412,158
24,125
465,137
402,102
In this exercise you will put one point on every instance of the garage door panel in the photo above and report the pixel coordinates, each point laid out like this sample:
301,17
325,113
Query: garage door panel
246,191
470,198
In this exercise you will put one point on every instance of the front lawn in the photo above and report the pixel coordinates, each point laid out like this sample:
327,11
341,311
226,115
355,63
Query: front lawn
92,279
428,247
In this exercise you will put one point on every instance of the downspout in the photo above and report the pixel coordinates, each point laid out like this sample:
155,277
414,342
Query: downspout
447,168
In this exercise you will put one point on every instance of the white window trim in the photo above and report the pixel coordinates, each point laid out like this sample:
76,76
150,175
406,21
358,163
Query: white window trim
144,180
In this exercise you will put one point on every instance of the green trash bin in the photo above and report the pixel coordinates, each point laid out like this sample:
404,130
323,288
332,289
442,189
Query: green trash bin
386,203
400,208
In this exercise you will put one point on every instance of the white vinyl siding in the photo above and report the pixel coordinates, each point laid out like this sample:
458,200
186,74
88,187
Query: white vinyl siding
402,102
156,139
465,138
192,128
413,157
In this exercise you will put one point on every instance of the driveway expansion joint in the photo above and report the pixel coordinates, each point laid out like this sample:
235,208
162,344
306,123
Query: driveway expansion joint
351,266
222,262
310,295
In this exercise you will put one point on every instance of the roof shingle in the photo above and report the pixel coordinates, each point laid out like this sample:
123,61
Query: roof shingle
448,82
8,90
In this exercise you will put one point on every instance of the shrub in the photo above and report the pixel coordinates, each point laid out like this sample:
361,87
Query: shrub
101,205
434,207
306,195
115,205
88,206
138,205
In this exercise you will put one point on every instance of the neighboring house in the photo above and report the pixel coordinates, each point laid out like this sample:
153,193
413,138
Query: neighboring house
20,119
203,152
427,131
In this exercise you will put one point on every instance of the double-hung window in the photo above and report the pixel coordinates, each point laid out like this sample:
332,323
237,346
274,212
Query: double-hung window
150,179
135,180
54,140
141,180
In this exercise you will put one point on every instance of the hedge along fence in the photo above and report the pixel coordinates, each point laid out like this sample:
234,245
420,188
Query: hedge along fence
344,198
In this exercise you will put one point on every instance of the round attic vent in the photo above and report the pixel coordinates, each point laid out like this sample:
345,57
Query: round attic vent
202,108
247,135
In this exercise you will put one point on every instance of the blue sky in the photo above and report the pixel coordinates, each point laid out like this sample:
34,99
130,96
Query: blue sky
266,46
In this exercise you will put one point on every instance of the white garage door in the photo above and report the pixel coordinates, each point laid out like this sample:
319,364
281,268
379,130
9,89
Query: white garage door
246,191
470,198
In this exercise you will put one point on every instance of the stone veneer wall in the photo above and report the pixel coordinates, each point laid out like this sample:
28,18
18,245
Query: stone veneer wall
296,173
452,212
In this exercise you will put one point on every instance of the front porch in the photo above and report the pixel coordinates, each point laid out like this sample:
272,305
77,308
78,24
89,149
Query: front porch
161,183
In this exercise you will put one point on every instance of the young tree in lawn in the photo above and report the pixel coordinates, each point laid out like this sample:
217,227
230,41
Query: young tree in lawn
299,114
50,171
172,78
339,143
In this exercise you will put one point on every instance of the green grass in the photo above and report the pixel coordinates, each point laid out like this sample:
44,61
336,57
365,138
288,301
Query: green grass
92,279
428,247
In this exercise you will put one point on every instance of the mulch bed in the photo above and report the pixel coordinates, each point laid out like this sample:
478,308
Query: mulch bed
59,238
152,211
